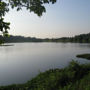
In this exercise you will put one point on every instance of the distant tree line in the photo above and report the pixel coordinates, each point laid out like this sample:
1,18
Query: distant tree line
11,39
82,38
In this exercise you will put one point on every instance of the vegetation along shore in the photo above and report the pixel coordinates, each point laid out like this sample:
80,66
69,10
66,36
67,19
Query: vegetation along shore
82,38
73,77
85,56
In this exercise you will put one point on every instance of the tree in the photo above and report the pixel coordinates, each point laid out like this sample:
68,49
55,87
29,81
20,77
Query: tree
36,6
4,26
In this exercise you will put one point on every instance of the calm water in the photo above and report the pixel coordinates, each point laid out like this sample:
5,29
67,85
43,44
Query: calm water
23,61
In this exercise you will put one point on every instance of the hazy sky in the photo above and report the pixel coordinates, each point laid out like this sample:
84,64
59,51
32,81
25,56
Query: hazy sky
65,18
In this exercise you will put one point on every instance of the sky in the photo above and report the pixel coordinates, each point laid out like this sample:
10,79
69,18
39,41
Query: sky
65,18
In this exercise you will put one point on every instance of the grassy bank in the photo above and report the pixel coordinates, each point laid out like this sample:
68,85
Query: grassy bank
85,56
73,77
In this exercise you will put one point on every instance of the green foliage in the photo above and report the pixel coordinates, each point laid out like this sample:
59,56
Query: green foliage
73,77
1,42
36,6
3,8
82,38
34,39
4,26
86,56
82,84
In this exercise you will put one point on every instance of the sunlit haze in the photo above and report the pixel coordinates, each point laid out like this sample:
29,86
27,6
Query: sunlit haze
65,18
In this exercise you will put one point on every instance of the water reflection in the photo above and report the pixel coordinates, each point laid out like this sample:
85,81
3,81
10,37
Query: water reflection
23,61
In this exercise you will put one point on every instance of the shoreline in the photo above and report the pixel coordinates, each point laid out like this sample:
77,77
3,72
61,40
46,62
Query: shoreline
57,79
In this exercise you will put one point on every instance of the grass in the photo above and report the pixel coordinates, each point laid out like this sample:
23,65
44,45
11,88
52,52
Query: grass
86,56
73,77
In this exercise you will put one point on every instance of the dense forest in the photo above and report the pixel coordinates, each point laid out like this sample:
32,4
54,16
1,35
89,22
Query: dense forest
82,38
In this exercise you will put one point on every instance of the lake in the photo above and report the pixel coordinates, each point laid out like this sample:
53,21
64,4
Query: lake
23,61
